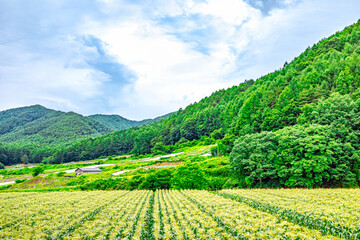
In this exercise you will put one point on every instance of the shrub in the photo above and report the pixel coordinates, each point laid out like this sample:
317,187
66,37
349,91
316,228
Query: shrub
104,184
20,180
2,165
226,145
60,174
189,176
134,182
161,179
36,171
214,151
215,183
101,161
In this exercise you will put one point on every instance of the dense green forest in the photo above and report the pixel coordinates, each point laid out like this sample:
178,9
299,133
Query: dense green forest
35,132
296,127
117,123
41,125
38,124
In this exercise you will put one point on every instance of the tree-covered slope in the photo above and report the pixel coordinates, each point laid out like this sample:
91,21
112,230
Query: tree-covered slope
277,100
41,125
116,122
290,103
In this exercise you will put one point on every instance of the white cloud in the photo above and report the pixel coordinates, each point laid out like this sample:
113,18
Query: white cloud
63,80
180,51
232,12
170,73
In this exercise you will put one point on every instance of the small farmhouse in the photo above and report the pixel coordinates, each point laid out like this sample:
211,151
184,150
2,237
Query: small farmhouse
81,171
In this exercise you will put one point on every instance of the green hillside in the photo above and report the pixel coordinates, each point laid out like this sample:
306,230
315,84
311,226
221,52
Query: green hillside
116,122
41,125
296,127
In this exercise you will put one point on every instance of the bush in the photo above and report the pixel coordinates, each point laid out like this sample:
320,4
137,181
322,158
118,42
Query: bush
161,179
20,180
104,184
134,182
2,165
232,183
60,174
36,171
215,183
226,144
159,148
214,151
189,176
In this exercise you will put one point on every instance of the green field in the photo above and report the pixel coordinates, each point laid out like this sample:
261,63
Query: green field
186,214
124,173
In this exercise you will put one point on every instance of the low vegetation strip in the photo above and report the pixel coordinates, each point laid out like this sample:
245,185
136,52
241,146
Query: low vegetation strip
173,214
331,211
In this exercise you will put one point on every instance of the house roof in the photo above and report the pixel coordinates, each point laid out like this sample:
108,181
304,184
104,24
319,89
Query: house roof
89,169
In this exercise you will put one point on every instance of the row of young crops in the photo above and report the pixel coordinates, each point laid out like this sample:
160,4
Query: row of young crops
187,214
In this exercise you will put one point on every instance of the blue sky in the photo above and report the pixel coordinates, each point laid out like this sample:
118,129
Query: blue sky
143,58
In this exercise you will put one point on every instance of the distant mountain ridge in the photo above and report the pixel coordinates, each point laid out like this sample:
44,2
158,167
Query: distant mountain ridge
39,124
116,122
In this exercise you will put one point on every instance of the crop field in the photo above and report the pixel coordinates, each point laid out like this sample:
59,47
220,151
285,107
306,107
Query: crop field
187,214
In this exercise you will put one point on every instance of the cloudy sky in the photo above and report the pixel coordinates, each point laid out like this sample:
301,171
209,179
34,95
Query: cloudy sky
145,58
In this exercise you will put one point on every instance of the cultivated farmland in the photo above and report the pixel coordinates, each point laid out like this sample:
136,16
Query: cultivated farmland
187,214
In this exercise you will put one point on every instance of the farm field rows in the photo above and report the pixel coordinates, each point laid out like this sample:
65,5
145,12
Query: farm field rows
186,214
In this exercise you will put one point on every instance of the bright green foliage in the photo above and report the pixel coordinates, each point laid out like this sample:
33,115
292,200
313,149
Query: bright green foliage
158,180
36,171
252,159
189,176
226,144
188,129
159,148
42,125
103,184
300,156
116,122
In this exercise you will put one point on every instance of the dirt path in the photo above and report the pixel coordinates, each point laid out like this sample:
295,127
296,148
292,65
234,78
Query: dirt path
205,155
94,166
158,158
6,183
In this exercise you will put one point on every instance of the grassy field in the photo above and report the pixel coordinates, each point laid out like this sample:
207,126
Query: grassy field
187,214
129,166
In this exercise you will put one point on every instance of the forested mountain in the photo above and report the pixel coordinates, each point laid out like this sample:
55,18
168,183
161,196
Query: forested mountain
283,98
39,124
116,122
291,125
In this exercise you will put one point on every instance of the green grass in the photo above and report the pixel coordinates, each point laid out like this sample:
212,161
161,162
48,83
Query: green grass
51,181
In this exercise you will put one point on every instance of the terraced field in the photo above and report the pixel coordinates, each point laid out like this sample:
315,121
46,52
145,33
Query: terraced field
187,214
